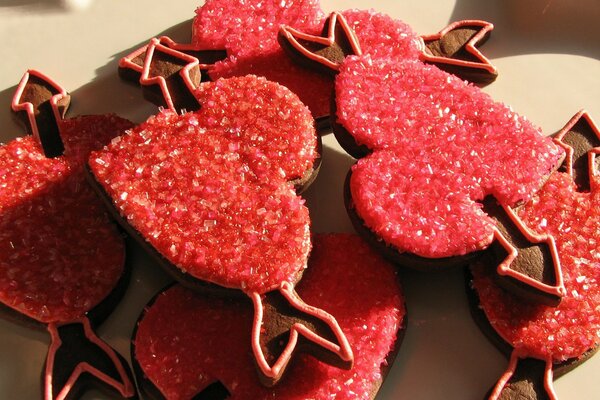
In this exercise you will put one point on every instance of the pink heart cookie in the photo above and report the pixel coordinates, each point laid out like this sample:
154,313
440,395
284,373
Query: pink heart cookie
62,260
432,147
212,195
543,340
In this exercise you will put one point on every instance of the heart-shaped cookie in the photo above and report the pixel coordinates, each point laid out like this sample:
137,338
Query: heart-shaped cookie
62,260
432,147
211,194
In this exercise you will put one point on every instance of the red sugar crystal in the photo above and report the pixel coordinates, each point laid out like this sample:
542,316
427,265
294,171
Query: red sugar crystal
573,327
59,253
209,190
439,144
186,341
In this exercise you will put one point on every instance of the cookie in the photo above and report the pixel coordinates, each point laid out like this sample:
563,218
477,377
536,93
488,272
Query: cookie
432,147
202,341
211,194
556,339
62,260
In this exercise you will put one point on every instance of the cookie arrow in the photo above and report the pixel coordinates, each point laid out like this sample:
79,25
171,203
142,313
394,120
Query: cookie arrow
75,355
325,52
283,324
132,65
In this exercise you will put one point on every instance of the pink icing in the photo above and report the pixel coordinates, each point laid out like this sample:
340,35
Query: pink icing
53,229
209,190
185,341
573,327
381,36
439,144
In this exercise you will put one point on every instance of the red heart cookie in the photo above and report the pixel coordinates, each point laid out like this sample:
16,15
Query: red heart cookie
62,261
211,194
187,345
559,337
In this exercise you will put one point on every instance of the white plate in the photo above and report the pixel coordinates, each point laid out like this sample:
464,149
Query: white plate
548,57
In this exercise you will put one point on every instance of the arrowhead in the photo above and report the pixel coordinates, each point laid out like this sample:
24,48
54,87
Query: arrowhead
132,65
170,77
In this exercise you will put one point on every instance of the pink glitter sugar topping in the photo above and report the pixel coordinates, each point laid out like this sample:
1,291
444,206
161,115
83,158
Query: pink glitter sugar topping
248,30
185,341
438,145
209,190
573,327
53,229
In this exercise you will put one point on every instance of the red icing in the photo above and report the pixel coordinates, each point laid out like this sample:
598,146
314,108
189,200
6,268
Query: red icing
573,327
53,229
439,144
209,190
249,33
185,341
381,36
